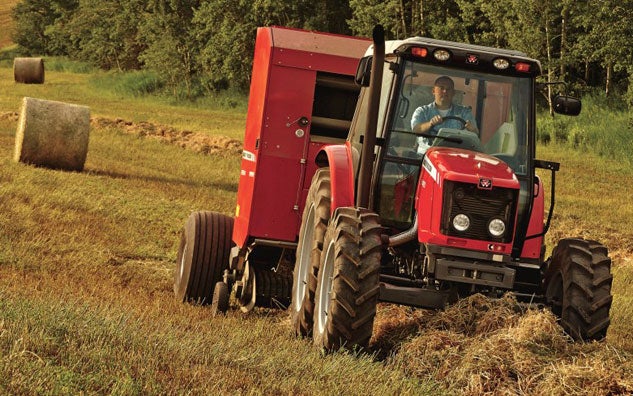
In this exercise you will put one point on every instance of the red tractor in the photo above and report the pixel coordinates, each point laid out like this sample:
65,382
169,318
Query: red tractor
393,214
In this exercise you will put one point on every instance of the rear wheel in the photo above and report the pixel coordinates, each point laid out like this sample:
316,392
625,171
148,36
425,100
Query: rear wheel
203,255
313,225
348,281
578,288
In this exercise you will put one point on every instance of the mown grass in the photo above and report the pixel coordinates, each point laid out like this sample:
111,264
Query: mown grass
86,263
87,259
6,22
210,116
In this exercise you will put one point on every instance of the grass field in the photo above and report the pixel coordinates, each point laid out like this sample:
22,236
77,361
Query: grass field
87,259
6,22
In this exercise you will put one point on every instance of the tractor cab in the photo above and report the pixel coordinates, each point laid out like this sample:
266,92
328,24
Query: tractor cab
496,88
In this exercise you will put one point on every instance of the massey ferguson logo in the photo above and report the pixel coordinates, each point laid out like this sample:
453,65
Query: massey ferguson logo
485,183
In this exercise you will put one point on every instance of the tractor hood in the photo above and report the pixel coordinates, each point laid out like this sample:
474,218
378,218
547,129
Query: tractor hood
467,166
476,187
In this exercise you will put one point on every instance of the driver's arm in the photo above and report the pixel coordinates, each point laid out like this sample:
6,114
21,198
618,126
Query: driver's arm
470,125
419,124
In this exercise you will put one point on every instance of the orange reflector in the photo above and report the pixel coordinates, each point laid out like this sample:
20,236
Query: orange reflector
522,67
419,52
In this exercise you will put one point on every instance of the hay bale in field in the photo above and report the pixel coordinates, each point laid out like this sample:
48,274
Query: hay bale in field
52,134
28,70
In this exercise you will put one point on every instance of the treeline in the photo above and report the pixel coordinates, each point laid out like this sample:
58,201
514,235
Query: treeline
200,46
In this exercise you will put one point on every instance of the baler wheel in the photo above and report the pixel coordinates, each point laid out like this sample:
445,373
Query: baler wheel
313,225
578,288
263,288
220,301
273,289
348,283
203,255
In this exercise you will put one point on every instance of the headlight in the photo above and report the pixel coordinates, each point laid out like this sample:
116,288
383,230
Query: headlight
496,227
461,222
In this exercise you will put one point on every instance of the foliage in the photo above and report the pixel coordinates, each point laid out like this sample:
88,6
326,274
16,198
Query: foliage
63,64
591,131
105,33
132,83
200,47
38,25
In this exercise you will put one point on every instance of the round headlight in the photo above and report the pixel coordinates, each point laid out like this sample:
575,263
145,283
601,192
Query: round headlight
461,222
496,227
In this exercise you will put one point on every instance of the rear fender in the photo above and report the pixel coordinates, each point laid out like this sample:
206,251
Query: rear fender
341,175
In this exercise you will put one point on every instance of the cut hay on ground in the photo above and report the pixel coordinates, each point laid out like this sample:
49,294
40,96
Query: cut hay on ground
52,134
494,347
198,142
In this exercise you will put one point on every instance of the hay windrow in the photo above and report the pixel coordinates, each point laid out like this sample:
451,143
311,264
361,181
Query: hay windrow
494,347
9,116
197,142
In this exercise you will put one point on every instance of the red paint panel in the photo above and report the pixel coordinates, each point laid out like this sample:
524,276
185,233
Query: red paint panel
341,175
468,166
329,63
532,247
254,117
457,165
274,216
275,171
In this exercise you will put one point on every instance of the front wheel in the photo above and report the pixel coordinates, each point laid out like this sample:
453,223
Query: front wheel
578,288
203,255
348,281
316,215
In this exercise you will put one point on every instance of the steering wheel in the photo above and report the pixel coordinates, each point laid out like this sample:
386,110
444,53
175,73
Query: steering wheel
456,118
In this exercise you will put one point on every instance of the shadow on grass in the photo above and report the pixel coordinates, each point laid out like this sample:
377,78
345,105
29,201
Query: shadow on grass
229,187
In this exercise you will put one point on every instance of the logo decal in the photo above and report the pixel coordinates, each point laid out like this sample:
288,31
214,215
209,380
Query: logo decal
428,166
485,183
248,156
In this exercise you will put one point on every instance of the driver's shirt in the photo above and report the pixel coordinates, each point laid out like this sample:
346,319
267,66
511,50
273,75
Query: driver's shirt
426,112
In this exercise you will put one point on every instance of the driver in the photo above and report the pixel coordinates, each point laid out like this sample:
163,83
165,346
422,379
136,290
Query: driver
429,118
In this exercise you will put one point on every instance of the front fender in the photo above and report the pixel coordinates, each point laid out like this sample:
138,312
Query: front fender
532,246
341,175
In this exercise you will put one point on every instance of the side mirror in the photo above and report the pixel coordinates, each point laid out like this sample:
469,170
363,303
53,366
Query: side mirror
363,72
567,105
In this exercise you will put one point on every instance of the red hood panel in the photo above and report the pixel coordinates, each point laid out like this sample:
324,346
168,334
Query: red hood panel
469,166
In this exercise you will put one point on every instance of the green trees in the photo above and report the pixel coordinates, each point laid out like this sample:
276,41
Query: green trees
105,33
199,46
38,25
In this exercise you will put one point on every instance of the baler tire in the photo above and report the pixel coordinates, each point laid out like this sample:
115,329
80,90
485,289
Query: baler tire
314,220
348,282
203,255
220,301
578,288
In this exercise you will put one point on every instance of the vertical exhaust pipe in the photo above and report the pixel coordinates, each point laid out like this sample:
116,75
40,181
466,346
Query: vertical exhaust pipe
369,142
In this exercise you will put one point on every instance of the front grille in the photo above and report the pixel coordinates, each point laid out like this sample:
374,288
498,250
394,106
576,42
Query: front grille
480,206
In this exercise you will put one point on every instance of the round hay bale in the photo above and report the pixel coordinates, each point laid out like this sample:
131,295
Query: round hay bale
52,134
28,70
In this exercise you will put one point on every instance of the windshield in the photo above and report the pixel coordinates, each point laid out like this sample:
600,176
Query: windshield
477,111
486,112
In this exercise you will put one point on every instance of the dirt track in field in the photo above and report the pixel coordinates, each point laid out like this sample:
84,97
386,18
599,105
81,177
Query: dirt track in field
194,141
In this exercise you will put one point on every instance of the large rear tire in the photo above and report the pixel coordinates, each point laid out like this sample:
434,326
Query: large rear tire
316,215
578,288
348,281
203,255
